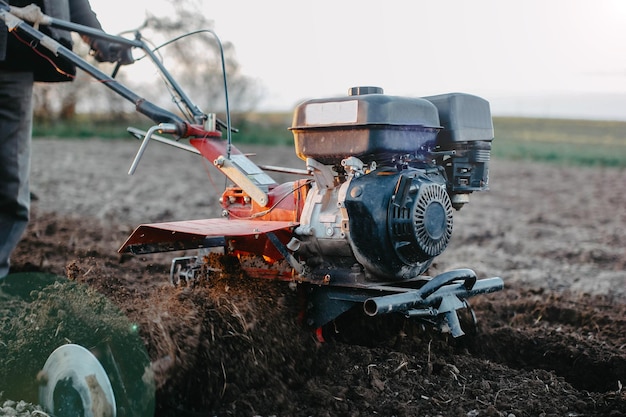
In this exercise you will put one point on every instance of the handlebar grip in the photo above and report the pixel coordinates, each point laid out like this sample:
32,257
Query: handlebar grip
124,54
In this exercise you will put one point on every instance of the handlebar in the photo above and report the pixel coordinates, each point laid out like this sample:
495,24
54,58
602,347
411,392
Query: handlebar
183,128
196,125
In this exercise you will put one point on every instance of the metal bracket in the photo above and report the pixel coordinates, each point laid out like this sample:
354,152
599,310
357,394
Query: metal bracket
324,175
246,175
297,266
439,298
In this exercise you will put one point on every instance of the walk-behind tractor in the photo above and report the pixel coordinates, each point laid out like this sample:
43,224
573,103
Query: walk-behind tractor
358,228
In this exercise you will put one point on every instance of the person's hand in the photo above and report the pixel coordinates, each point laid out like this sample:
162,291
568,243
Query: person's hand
105,51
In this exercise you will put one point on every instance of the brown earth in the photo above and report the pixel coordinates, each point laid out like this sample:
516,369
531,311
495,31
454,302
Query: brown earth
553,343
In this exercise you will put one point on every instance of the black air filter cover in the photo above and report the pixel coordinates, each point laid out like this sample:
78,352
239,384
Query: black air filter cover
464,117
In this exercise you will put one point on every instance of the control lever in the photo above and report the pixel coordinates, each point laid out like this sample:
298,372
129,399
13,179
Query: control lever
160,128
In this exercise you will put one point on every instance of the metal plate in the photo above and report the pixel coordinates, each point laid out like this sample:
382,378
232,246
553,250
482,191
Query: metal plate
190,234
76,384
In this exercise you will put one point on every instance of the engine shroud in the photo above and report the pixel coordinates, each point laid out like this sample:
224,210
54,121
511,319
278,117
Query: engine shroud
399,221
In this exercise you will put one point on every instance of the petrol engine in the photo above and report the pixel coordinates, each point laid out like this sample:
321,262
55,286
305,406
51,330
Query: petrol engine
389,172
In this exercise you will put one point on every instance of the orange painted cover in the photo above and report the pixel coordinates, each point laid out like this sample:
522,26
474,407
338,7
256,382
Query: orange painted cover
188,234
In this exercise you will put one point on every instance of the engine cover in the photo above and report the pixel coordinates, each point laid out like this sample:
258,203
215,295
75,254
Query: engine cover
398,221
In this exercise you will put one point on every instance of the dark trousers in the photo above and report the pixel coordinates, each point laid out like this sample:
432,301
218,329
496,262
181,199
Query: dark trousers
16,110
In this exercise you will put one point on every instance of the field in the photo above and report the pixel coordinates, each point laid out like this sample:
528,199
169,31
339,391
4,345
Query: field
579,142
551,344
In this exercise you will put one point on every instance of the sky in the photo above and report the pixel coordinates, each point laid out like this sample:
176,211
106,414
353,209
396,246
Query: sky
554,58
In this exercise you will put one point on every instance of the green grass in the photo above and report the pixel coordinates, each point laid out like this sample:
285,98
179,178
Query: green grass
558,141
267,128
562,141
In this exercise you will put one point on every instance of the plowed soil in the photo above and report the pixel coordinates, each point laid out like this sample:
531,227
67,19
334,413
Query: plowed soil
552,343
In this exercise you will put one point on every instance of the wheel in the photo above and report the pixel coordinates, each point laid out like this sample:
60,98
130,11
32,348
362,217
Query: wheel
69,347
74,383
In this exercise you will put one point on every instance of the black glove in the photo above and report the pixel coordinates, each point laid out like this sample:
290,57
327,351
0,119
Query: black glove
105,51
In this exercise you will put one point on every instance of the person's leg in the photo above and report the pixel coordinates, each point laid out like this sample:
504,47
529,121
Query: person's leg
16,101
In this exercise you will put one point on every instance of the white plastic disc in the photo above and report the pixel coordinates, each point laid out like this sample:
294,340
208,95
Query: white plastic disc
75,383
